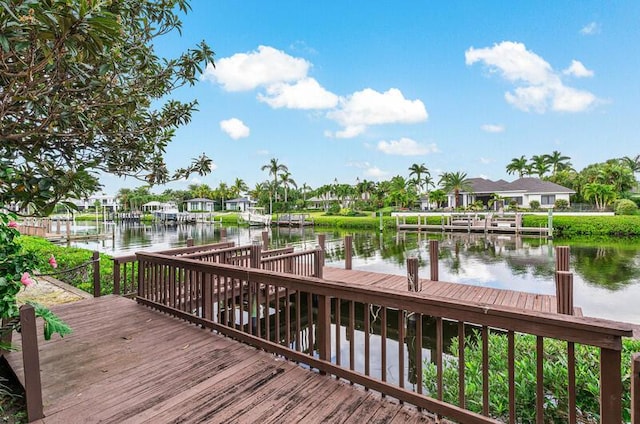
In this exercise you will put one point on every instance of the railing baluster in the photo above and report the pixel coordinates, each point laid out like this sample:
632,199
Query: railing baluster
267,315
277,303
439,347
367,341
310,322
298,344
571,371
217,300
352,349
610,386
485,370
511,351
257,292
383,345
287,317
338,331
401,336
419,352
461,365
539,380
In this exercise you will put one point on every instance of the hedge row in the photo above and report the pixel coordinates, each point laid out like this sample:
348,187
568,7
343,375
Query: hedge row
571,226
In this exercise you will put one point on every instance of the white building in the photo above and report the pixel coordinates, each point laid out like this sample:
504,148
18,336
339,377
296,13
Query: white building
106,201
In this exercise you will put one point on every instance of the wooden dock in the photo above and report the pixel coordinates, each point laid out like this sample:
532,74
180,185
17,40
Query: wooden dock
484,295
125,363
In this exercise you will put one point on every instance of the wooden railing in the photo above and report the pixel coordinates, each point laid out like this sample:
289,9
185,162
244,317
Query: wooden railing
307,263
295,316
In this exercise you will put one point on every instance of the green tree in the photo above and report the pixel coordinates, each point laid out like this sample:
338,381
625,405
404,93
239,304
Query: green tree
287,181
518,166
83,90
417,171
223,192
274,169
455,182
239,187
438,196
557,161
601,194
539,165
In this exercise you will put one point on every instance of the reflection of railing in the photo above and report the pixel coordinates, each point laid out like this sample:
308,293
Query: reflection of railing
251,305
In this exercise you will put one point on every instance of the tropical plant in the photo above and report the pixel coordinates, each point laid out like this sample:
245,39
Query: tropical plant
557,161
83,91
601,194
455,182
539,165
417,171
287,181
274,169
238,187
438,196
518,166
534,205
626,207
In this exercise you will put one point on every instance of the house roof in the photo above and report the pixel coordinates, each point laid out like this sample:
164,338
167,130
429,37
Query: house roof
521,185
241,200
200,199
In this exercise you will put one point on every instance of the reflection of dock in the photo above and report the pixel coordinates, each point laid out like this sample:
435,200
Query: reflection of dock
456,291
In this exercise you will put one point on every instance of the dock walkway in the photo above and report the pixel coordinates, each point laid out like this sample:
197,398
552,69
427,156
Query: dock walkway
125,363
484,295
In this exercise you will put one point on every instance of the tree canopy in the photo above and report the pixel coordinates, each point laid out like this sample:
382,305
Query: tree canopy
82,90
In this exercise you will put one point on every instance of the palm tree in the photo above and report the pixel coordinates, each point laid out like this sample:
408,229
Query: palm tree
438,196
305,188
518,166
455,182
418,171
557,161
286,180
124,196
223,192
540,165
274,169
428,182
239,187
602,194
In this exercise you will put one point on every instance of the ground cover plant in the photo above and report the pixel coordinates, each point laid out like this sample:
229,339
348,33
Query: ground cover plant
555,377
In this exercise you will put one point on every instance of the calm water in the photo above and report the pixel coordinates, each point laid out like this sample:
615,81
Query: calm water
606,274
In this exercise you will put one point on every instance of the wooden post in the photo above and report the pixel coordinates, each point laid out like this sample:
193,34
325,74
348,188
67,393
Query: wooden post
318,263
116,276
223,233
68,229
564,292
265,240
189,242
413,279
610,386
96,273
348,251
635,389
31,361
322,240
255,261
562,258
324,328
255,256
433,259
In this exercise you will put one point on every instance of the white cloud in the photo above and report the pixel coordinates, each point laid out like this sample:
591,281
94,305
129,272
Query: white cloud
235,128
406,147
538,86
369,107
304,94
359,165
375,172
591,28
577,69
262,152
492,128
247,71
485,161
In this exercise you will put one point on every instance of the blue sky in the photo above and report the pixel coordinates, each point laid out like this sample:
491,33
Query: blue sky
363,89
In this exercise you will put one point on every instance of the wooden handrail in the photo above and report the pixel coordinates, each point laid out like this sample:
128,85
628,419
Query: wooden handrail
217,292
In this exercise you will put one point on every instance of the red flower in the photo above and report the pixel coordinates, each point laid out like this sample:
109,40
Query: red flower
12,224
52,262
26,279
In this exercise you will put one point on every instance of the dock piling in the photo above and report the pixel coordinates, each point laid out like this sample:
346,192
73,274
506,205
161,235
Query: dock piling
413,278
433,259
348,251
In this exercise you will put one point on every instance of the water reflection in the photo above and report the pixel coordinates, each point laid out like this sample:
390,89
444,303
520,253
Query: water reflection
606,273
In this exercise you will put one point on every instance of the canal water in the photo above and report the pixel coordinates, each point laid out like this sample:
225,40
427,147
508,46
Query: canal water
606,272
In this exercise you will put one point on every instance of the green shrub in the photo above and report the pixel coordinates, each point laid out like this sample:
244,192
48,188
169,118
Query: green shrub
561,204
626,207
571,226
534,205
555,377
70,258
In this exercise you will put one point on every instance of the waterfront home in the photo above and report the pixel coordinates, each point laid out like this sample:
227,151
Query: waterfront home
523,191
240,204
200,204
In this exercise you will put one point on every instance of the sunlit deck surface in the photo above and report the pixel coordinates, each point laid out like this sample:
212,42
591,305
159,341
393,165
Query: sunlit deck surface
125,363
484,295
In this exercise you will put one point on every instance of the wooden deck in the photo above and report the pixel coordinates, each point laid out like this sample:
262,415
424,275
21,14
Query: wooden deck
125,363
484,295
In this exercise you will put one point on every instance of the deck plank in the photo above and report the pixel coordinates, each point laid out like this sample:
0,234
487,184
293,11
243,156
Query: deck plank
126,363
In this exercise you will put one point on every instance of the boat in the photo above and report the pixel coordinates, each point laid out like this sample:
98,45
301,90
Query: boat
254,217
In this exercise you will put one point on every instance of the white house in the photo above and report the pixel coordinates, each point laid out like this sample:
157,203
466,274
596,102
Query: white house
200,204
107,202
239,204
523,191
